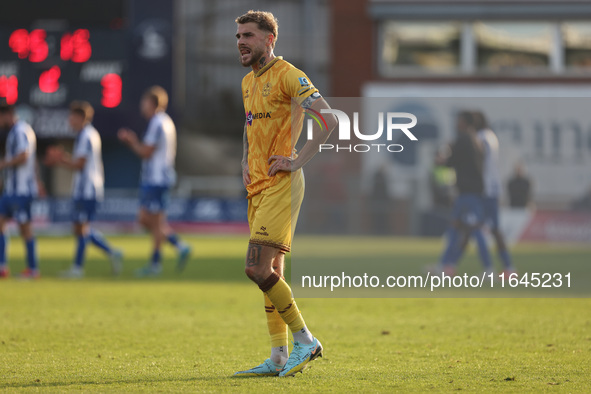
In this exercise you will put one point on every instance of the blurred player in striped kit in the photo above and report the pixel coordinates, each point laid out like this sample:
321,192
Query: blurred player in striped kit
491,190
467,158
20,186
87,187
158,152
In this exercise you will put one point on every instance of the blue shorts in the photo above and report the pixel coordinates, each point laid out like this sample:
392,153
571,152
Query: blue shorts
84,211
468,209
17,207
491,212
154,199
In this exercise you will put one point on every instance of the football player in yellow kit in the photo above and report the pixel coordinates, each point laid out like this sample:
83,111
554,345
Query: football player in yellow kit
272,175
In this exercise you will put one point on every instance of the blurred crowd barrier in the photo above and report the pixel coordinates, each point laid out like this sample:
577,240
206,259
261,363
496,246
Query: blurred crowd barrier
52,216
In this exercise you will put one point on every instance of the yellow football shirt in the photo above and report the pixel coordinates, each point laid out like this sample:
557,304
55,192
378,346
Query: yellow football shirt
267,103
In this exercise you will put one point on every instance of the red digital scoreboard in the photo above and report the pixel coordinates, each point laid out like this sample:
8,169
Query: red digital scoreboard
73,47
105,52
38,62
51,54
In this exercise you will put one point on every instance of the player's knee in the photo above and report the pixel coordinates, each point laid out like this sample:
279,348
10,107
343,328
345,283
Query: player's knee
25,231
254,274
496,232
144,220
251,273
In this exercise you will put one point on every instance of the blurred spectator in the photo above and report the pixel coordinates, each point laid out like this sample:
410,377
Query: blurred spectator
492,188
334,196
519,187
467,158
583,203
380,202
442,179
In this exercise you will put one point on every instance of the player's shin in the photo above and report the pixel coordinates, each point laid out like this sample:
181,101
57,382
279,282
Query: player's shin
502,250
3,245
482,249
31,254
98,240
80,251
506,259
174,240
277,332
156,257
450,254
280,295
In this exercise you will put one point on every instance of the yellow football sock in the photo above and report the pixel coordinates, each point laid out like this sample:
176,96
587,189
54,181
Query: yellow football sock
279,293
277,327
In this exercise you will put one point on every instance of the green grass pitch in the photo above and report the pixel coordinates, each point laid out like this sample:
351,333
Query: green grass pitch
191,332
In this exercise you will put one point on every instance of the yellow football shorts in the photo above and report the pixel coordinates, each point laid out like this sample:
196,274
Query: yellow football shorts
273,213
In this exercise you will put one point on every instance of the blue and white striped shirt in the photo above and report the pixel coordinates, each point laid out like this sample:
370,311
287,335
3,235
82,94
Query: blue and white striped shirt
88,183
21,180
158,170
490,169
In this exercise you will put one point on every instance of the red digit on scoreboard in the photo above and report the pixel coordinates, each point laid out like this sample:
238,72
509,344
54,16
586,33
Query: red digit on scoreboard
66,48
37,46
49,80
9,88
111,84
76,46
31,44
81,46
19,43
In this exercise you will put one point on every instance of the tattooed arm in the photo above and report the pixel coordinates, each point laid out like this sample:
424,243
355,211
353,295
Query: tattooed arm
283,163
245,171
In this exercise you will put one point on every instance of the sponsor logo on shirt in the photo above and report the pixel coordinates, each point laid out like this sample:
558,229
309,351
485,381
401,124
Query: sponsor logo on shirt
258,115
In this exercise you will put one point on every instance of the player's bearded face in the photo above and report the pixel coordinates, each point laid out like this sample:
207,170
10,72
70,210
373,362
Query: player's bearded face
249,55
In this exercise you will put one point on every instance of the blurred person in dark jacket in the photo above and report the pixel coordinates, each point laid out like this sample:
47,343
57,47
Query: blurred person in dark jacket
467,159
491,190
519,187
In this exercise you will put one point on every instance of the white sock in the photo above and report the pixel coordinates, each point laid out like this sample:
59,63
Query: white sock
304,336
279,355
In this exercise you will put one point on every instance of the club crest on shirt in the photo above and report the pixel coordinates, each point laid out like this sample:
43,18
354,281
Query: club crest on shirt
246,94
267,89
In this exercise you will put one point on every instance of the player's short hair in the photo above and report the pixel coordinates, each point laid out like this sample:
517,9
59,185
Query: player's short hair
480,121
82,108
265,21
5,108
158,96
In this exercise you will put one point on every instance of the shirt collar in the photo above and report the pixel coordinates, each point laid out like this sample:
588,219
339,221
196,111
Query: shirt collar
268,66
